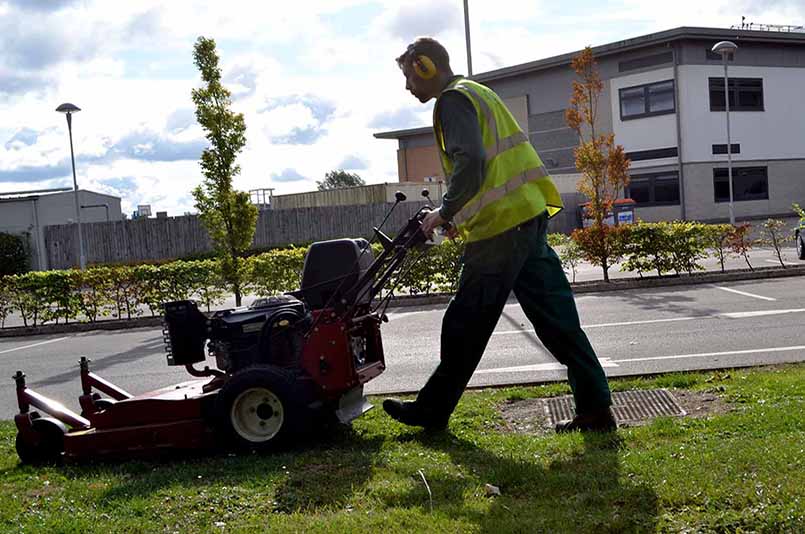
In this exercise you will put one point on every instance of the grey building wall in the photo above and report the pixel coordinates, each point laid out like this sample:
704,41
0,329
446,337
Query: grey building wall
750,54
30,214
786,185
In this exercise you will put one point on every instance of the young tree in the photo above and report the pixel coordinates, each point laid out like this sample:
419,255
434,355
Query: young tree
338,179
228,215
774,234
603,164
740,242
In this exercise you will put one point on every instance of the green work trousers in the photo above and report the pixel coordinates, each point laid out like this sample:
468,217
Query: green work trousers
519,260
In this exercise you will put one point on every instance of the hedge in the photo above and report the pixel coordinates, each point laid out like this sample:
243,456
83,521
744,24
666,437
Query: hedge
130,291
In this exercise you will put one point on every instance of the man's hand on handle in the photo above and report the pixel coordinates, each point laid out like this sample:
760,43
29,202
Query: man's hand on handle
434,219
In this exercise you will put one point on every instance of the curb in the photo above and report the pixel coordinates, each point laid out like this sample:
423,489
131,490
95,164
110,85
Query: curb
114,324
647,282
759,273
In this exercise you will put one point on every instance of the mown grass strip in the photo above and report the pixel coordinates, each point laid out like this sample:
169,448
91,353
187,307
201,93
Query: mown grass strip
740,471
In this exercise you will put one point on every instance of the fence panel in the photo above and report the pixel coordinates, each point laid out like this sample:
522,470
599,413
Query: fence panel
141,240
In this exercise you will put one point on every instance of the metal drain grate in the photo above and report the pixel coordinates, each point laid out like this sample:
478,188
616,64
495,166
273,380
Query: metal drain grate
628,406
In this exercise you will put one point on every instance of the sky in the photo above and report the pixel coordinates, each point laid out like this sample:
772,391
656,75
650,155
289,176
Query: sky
315,79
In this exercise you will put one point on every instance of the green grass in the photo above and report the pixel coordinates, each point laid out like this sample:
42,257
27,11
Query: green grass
739,472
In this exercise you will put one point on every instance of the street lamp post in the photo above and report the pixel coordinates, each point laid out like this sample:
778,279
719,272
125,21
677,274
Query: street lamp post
724,48
68,109
467,35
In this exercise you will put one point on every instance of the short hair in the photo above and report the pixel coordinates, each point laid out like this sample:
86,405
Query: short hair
425,46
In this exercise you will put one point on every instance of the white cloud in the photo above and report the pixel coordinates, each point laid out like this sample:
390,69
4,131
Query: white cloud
314,79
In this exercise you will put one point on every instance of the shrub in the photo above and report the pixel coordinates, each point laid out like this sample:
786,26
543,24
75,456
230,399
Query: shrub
5,299
602,246
773,234
687,245
568,251
648,249
93,292
13,254
717,238
740,243
125,292
205,278
276,271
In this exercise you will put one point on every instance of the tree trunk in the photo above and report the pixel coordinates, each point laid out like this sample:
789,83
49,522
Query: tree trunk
237,295
605,267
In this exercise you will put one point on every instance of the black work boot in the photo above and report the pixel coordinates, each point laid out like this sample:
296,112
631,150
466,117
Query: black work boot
597,421
409,414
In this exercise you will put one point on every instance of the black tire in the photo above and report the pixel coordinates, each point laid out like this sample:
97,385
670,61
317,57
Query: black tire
261,408
800,246
44,445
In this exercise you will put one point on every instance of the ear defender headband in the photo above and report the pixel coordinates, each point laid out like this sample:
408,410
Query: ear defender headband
424,67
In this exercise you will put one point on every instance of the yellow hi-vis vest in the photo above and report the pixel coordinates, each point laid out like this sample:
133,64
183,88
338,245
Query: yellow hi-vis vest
516,187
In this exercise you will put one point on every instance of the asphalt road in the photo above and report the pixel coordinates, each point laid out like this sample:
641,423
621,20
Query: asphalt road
633,332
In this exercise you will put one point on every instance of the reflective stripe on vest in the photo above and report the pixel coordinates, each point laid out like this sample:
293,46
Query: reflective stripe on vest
501,145
469,211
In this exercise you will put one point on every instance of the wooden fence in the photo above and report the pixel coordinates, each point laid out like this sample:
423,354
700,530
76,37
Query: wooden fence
160,239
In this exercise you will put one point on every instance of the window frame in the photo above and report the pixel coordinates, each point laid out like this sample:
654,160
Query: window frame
651,178
720,149
646,103
726,199
736,84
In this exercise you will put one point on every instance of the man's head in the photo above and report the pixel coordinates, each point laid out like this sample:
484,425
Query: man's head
426,67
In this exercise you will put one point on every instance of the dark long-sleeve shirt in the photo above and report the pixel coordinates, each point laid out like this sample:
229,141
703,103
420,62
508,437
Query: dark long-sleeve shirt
465,148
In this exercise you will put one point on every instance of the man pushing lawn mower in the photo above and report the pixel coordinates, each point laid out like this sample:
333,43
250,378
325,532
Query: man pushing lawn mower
499,198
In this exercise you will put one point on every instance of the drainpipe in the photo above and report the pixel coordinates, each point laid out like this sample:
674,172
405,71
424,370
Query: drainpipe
679,132
38,240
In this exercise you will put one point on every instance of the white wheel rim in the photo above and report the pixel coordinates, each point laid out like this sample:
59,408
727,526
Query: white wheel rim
257,415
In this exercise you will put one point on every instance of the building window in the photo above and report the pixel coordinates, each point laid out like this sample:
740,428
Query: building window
735,148
658,189
746,94
656,153
748,183
647,100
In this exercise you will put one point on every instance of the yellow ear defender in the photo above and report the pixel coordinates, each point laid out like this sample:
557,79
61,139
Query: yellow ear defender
424,67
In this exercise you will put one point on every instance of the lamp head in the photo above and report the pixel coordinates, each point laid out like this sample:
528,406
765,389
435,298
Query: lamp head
724,47
68,108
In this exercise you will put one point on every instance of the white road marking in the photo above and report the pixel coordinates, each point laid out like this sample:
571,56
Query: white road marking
550,366
711,354
761,313
603,325
607,362
34,345
728,315
745,294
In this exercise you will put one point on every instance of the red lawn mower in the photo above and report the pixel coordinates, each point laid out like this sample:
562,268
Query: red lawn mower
283,364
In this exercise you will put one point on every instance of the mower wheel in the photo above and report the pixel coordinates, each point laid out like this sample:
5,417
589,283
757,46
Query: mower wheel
44,444
260,408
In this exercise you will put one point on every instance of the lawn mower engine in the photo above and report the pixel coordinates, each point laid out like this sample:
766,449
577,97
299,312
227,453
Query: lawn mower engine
318,344
283,364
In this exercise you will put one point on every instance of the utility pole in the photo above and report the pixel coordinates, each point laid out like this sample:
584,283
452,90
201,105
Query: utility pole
467,35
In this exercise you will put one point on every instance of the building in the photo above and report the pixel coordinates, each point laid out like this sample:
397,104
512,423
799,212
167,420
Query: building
663,99
360,194
28,212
